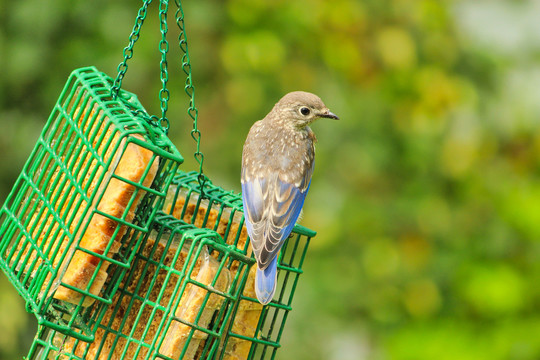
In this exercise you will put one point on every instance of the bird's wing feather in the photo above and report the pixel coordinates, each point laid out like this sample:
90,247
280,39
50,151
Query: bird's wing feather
272,207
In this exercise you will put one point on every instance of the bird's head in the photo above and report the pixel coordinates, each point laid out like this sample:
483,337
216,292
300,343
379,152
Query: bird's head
302,108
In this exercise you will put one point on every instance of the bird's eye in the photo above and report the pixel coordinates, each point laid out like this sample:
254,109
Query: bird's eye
305,111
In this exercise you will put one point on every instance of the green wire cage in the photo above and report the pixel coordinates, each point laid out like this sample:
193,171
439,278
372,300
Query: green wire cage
189,293
256,331
73,206
122,255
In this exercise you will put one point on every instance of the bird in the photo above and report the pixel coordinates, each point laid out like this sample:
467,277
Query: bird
278,158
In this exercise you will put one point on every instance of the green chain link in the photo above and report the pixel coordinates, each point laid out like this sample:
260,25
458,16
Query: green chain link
190,91
164,94
128,50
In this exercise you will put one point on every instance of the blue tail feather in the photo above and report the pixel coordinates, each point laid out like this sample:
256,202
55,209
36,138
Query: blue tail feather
265,282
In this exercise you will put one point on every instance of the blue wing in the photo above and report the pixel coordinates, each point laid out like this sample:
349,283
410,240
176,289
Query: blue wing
272,207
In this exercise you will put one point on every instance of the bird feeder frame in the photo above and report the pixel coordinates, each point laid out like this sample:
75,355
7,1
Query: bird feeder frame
240,328
156,301
57,197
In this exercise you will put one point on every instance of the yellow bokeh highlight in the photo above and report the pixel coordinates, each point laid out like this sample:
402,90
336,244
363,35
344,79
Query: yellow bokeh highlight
381,258
422,298
261,51
239,88
396,48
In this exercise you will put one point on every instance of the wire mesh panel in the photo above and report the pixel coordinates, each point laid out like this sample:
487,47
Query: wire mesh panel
255,331
190,292
172,304
95,179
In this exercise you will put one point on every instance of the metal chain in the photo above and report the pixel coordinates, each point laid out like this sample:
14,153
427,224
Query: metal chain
128,50
164,94
190,91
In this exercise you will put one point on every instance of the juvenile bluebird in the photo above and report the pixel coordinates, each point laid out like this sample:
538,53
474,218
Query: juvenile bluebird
277,164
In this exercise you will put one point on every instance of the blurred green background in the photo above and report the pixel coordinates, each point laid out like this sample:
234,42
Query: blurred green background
426,195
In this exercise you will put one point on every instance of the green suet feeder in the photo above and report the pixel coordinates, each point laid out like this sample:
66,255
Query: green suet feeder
189,293
80,198
121,255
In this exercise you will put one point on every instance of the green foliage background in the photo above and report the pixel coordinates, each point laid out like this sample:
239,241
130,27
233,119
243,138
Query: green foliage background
426,195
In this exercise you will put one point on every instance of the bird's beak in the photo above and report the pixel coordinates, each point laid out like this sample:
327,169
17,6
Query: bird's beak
330,115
